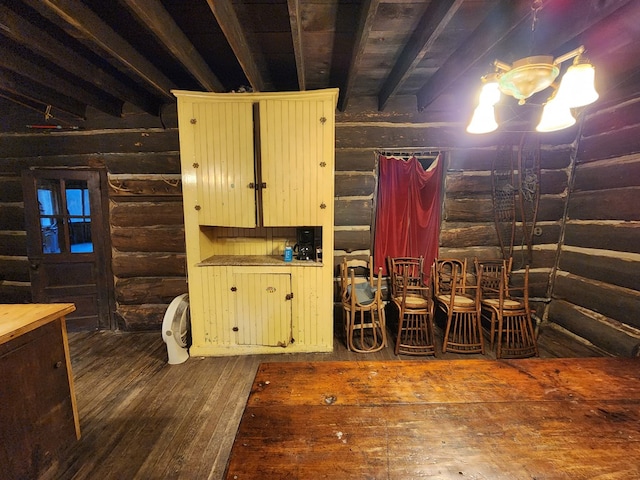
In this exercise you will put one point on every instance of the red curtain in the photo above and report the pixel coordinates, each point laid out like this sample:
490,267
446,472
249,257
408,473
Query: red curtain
408,211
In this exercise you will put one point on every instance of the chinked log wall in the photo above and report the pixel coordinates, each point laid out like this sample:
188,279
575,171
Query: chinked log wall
145,209
467,228
596,291
147,236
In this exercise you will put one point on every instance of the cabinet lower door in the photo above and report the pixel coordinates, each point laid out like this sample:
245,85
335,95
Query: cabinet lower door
263,309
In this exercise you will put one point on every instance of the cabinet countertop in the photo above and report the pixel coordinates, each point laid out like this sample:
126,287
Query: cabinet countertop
16,320
249,260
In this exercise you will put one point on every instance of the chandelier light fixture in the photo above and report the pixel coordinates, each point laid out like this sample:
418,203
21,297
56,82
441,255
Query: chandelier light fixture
532,75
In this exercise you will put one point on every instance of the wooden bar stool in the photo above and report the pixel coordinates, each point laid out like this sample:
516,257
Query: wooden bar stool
412,297
515,333
490,277
461,304
365,326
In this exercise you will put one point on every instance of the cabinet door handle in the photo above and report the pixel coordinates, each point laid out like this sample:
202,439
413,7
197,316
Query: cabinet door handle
58,364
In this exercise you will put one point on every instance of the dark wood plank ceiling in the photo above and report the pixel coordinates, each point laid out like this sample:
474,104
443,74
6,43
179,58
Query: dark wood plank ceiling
74,54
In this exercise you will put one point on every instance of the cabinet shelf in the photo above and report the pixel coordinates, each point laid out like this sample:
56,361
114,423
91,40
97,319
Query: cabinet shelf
257,260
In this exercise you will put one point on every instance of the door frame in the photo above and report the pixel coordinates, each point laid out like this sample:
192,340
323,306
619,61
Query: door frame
102,243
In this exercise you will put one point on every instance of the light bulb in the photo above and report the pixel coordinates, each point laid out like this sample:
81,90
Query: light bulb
483,120
577,87
556,115
490,94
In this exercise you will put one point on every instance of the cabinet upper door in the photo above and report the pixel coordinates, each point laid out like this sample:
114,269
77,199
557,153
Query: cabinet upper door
223,144
297,139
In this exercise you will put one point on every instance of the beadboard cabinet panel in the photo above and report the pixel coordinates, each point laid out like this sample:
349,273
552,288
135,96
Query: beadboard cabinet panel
256,168
263,309
219,141
295,167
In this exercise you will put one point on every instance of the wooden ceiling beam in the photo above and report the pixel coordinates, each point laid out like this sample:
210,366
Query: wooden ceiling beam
158,20
25,88
367,14
295,20
35,39
254,67
482,41
11,60
83,24
434,21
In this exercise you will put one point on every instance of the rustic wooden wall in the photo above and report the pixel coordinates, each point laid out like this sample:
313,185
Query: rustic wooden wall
15,286
592,184
596,289
467,213
142,162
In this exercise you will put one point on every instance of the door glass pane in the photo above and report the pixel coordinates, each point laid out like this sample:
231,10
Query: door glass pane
65,216
79,217
50,218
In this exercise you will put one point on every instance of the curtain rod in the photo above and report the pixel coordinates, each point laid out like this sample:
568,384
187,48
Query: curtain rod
408,153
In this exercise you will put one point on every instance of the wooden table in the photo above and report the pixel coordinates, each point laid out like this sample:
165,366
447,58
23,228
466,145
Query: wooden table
38,412
463,419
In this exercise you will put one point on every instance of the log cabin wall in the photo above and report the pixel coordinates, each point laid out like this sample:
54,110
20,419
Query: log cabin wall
467,228
140,154
596,288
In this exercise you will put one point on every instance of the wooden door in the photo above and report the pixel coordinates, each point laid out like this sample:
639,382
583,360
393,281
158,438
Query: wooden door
68,243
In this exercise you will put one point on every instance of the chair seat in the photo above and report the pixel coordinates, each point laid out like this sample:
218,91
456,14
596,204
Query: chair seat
458,301
413,302
365,294
507,303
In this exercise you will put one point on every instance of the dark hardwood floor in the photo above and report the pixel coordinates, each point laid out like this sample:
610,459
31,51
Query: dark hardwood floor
144,419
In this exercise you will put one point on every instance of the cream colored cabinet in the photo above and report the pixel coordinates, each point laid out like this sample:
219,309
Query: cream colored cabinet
259,161
256,167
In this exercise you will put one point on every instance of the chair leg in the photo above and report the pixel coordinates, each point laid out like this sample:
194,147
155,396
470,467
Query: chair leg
516,337
366,331
382,322
464,333
492,333
415,333
447,329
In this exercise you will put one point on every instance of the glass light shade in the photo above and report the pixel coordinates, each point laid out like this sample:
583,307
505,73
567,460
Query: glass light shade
577,87
556,115
483,120
490,94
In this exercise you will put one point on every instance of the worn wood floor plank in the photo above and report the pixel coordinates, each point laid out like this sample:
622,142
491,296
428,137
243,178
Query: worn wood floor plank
454,381
480,419
129,398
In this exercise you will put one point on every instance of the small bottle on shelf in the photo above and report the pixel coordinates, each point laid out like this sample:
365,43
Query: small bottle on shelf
288,253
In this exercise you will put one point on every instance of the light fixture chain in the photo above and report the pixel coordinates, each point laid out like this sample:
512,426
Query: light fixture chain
536,6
